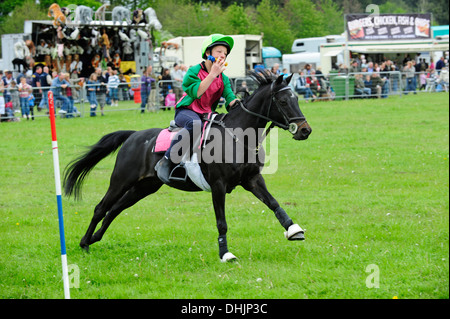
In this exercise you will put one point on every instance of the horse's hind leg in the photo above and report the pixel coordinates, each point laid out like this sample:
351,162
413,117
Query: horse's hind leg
140,190
112,196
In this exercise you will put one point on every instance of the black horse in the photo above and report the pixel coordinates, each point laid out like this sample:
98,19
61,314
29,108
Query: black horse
134,176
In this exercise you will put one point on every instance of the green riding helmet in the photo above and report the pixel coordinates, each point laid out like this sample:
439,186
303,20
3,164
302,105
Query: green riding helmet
217,39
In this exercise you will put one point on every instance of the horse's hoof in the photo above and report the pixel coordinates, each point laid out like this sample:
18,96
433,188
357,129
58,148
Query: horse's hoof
295,232
228,257
85,247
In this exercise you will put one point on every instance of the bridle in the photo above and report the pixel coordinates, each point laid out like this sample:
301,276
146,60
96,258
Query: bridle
288,122
287,125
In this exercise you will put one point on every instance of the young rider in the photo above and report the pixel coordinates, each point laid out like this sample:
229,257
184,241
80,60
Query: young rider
204,84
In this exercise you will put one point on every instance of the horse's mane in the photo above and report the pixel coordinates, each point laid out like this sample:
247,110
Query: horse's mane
263,77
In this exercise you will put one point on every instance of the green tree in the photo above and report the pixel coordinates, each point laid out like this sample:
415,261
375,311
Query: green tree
276,29
14,22
332,17
305,20
238,20
45,4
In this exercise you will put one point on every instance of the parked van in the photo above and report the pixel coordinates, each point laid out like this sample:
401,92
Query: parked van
313,44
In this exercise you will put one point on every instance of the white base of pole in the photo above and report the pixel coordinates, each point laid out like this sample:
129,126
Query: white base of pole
65,277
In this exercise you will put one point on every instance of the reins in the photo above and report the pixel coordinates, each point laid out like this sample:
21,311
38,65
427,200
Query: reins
288,125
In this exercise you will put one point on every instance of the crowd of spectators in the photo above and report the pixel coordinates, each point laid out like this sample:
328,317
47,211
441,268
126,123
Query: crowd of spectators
19,96
375,80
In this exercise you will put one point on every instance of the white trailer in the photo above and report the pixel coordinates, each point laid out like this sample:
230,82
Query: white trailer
8,54
246,53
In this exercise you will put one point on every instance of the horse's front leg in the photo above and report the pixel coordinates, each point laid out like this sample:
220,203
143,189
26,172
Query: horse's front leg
257,186
218,196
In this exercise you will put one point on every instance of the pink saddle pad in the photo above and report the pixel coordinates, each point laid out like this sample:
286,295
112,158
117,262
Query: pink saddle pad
163,140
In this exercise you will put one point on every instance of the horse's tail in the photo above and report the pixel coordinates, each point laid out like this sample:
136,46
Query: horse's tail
77,170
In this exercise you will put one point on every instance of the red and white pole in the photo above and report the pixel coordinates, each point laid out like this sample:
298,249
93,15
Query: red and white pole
65,272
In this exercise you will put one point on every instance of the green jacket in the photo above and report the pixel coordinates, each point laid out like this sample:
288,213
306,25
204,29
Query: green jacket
208,101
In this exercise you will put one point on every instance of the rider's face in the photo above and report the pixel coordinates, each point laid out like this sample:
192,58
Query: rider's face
219,52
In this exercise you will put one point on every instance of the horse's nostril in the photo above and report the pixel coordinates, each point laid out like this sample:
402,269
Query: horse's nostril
306,131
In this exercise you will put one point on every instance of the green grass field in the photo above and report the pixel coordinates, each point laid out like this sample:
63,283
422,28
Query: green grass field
370,186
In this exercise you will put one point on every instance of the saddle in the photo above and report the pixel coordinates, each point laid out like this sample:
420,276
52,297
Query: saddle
188,171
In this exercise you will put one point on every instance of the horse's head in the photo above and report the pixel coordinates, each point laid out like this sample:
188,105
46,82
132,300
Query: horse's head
281,105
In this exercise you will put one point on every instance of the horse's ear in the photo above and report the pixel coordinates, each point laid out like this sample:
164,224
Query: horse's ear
288,79
279,80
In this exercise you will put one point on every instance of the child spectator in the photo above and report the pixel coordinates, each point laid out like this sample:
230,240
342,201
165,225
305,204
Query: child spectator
2,102
423,80
31,100
92,88
113,87
14,94
170,100
24,93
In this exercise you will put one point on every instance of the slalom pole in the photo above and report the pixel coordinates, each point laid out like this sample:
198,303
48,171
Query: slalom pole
51,107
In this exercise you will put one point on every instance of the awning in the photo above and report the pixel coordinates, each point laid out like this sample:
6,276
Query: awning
333,52
399,47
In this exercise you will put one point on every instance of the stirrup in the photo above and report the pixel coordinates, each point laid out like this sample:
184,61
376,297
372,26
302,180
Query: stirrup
179,173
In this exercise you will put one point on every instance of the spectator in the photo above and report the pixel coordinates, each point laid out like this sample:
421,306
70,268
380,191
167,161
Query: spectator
393,76
242,90
406,59
146,82
92,88
368,82
439,65
113,87
316,86
76,68
432,65
6,83
24,93
416,76
36,83
320,75
385,68
360,88
170,100
165,85
31,100
3,109
354,67
123,88
363,62
303,87
59,83
410,73
377,85
177,80
14,96
45,80
153,92
423,81
276,69
443,78
370,67
431,80
343,69
102,88
68,92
